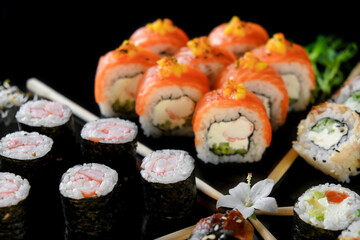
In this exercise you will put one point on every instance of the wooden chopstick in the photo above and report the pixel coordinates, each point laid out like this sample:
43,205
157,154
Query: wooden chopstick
43,90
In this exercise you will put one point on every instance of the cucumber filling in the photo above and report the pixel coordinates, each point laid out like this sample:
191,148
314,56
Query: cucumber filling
327,132
353,102
123,93
232,137
170,114
292,85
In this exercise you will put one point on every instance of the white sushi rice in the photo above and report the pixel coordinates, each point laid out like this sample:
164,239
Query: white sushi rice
345,92
352,232
22,145
257,143
43,113
167,166
112,76
340,162
71,188
13,189
336,216
303,76
110,130
168,92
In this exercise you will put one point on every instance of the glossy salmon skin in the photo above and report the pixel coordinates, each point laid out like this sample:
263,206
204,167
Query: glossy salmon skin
117,57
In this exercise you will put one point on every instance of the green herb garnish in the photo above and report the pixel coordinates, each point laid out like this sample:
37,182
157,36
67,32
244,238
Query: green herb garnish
328,55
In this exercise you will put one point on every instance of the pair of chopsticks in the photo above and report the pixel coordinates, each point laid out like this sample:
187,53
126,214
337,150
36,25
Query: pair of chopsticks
43,90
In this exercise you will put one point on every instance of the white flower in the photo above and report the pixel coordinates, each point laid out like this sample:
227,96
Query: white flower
247,199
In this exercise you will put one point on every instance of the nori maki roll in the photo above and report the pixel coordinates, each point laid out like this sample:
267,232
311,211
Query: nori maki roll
87,197
14,191
52,119
111,141
27,154
169,184
323,211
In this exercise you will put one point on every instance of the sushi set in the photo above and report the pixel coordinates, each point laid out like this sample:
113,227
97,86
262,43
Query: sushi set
222,109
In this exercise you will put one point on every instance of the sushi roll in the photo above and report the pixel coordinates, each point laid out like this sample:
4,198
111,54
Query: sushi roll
230,225
238,36
117,78
210,60
260,78
349,95
87,201
329,139
160,36
231,125
292,62
49,118
111,141
166,98
323,211
169,184
27,154
14,192
352,232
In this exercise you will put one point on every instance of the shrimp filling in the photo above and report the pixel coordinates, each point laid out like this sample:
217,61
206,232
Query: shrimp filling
328,132
161,165
7,188
173,113
353,102
123,93
112,131
292,85
233,137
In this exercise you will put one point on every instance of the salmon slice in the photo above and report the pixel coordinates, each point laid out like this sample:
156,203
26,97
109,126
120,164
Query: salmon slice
127,54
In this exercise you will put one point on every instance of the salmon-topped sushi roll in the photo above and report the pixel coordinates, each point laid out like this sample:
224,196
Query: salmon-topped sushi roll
238,36
292,62
211,60
231,125
167,96
117,78
161,36
263,80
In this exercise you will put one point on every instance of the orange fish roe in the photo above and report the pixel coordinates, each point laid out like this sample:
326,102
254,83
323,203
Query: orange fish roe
161,26
250,61
200,46
277,43
235,27
169,66
126,48
234,90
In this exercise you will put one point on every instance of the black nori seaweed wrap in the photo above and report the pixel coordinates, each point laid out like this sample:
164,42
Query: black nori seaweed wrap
170,201
35,170
304,231
13,224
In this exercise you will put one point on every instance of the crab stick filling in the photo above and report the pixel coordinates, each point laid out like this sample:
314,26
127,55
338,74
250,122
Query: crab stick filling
123,93
161,165
88,181
7,188
173,113
328,132
25,144
109,131
233,137
47,108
